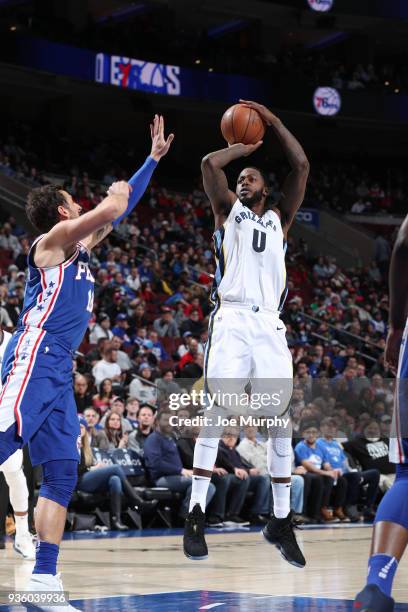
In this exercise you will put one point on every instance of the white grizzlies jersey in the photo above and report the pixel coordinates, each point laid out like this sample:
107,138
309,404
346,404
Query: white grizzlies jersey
250,254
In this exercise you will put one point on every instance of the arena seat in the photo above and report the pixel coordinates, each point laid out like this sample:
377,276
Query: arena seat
98,504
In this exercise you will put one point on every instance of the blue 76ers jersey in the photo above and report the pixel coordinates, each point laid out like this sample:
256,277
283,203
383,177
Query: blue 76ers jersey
59,299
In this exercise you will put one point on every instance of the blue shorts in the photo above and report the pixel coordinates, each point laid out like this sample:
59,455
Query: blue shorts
37,402
399,430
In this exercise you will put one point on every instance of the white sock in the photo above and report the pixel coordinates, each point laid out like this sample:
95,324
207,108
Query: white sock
281,499
21,524
199,492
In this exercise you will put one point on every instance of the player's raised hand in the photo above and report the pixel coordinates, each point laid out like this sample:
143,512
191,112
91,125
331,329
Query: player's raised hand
160,145
243,150
266,115
121,188
392,347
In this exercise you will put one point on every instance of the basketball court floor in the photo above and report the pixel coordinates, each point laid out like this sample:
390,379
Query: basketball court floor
147,571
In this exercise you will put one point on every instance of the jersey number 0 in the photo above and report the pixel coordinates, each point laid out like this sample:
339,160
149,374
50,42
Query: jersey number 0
259,241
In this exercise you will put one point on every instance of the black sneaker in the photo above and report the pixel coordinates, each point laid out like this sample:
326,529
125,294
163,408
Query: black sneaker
194,544
372,599
280,533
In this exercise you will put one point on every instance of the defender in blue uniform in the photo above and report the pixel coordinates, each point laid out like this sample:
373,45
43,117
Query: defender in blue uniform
37,403
390,534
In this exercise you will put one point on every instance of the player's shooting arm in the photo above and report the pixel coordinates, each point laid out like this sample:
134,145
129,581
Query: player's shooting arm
294,187
215,180
69,232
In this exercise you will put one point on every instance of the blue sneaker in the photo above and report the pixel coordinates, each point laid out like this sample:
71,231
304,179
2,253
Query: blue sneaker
372,599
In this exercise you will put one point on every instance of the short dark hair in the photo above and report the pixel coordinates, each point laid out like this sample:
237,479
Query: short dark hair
263,174
42,206
309,424
145,405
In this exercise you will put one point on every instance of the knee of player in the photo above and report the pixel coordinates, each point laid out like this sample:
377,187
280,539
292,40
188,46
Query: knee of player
59,481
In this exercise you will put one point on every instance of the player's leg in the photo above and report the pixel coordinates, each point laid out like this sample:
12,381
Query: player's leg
59,462
390,533
16,480
279,530
388,544
273,377
226,364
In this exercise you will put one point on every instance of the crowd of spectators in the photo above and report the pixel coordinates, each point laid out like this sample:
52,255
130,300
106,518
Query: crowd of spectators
147,338
359,188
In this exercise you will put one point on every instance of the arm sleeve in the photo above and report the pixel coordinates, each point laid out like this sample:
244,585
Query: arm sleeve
138,182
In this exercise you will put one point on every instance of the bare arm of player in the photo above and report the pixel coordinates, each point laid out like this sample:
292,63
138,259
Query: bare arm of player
91,241
294,187
398,295
61,240
215,181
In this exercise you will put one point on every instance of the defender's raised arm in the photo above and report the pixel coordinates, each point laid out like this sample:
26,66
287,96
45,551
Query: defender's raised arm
73,227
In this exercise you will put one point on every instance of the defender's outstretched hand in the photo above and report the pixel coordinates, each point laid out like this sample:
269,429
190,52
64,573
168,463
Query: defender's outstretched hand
266,115
160,145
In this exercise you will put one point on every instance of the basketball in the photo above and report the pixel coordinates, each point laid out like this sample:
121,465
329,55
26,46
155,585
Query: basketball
242,124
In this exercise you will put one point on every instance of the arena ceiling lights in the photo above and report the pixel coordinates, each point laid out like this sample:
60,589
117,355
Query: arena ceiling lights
321,6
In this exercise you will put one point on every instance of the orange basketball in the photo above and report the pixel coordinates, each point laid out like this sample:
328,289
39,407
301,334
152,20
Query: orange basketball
242,124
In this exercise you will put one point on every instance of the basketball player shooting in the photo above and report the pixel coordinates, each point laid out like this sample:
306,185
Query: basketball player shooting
37,403
246,336
390,534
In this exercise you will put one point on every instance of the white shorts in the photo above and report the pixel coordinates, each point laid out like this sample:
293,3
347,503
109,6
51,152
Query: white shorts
248,345
14,463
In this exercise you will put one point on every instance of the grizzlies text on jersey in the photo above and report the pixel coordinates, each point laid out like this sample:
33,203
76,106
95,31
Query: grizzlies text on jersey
250,252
